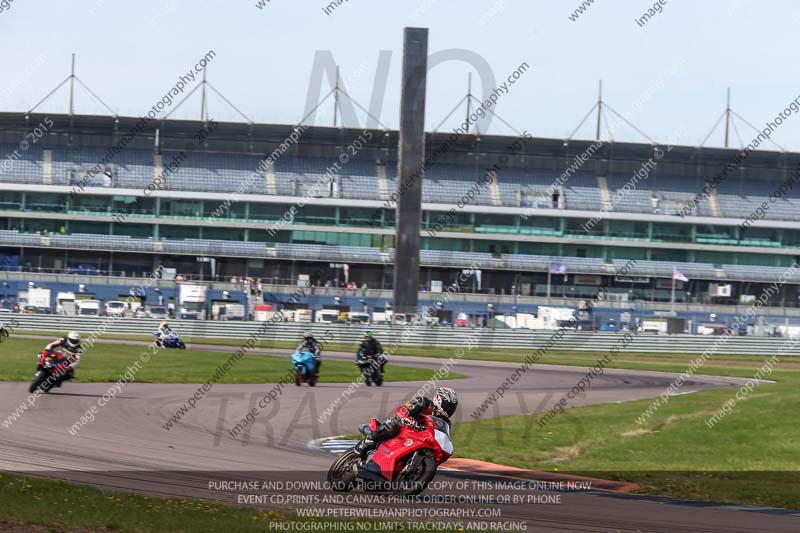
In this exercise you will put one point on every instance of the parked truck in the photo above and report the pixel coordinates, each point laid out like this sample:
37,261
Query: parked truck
35,300
191,301
65,303
90,308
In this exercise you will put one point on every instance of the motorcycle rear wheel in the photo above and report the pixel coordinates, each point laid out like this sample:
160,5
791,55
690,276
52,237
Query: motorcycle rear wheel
413,482
342,475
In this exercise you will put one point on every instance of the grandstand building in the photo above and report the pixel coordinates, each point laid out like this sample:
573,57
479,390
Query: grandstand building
279,202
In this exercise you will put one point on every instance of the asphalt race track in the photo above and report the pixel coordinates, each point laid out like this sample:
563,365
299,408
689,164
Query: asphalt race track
127,446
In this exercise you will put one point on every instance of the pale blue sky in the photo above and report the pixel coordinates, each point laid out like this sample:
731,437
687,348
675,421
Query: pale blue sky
132,52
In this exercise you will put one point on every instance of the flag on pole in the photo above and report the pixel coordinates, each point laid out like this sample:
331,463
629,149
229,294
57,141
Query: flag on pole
558,268
676,274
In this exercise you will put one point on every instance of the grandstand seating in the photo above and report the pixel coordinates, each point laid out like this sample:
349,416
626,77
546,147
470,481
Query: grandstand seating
18,166
358,179
209,172
526,188
739,197
129,168
582,192
761,273
664,269
541,263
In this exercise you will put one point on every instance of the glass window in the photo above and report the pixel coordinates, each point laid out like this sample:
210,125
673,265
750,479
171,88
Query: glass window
10,200
672,232
171,207
141,231
179,232
46,202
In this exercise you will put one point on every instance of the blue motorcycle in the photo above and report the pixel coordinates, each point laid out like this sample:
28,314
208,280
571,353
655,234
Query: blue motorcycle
304,368
172,341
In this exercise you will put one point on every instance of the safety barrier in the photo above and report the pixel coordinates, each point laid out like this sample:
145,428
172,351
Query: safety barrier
196,330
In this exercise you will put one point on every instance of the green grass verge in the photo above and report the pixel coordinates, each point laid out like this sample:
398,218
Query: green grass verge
633,360
66,505
58,506
752,456
107,362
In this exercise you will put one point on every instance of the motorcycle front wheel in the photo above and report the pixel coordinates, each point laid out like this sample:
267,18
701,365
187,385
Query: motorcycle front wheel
342,474
38,379
416,475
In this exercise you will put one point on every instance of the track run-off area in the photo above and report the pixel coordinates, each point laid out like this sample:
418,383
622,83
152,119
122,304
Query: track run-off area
135,443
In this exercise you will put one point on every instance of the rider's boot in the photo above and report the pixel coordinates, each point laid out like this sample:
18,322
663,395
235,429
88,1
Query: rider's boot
384,431
364,447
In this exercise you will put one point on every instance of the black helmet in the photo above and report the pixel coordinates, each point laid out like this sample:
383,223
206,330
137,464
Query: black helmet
445,401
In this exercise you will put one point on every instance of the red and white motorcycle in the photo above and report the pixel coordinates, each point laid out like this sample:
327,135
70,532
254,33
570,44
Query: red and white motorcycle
402,465
53,366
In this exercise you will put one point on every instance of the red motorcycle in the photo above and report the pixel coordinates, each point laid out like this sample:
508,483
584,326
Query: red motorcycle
50,372
403,465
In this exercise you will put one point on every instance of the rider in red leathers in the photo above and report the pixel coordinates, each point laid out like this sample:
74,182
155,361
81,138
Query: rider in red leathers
72,345
442,406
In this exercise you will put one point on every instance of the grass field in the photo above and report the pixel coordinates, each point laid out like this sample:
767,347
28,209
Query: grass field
25,501
751,456
107,362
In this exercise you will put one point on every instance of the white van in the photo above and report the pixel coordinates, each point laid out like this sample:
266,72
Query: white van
89,308
358,317
327,316
65,303
115,308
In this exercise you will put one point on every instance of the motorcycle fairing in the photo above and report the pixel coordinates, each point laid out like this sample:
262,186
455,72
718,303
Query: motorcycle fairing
388,454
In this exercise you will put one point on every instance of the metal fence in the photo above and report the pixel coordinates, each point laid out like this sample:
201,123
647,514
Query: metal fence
196,330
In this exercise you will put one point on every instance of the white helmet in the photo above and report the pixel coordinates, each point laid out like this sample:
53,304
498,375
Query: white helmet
73,339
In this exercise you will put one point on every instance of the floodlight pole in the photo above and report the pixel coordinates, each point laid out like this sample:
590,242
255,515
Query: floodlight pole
727,118
336,97
72,86
599,108
469,98
203,98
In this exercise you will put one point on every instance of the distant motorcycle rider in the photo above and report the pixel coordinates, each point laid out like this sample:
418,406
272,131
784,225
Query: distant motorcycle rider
310,344
442,406
71,345
164,331
370,346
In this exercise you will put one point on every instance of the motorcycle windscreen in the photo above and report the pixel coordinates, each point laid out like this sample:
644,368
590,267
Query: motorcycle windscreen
444,441
441,432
